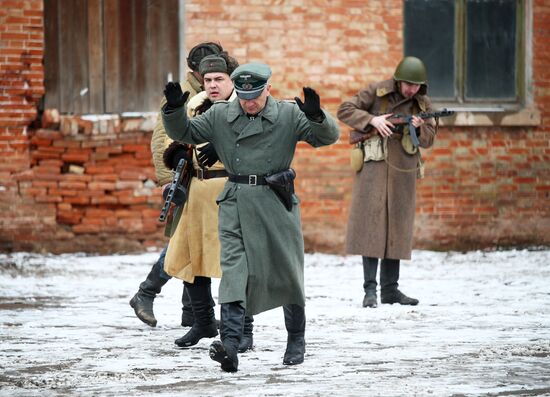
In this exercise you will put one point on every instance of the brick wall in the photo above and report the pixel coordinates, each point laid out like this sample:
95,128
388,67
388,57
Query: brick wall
21,86
64,177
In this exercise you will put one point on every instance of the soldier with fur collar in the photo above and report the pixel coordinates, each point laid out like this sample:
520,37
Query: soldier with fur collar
194,250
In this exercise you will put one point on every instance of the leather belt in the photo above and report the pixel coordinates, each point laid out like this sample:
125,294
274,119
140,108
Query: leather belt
209,174
251,180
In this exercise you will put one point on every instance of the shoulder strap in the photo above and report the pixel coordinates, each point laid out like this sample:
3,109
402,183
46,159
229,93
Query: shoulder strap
384,104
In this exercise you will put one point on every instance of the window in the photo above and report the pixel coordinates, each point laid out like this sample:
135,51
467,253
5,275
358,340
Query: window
109,56
473,50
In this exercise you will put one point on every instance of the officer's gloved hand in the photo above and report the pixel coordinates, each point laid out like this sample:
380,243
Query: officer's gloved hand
311,105
175,98
180,195
174,153
207,155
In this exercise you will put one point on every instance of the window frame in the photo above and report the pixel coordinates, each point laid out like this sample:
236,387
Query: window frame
524,95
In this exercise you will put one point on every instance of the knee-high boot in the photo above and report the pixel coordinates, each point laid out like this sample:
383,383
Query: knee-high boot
389,277
142,301
203,311
231,331
295,322
370,267
187,318
247,342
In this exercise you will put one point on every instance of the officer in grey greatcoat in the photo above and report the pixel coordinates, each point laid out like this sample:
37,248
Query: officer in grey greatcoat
262,251
383,206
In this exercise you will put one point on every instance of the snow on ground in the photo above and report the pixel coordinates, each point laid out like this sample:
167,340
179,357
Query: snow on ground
482,328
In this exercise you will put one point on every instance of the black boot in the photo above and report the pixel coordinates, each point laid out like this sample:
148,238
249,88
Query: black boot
187,318
295,322
247,342
203,310
142,302
389,276
231,330
370,266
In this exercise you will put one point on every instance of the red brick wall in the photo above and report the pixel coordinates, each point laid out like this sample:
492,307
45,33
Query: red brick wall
66,184
484,186
21,86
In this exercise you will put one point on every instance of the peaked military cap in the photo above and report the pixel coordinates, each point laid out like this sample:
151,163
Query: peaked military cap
250,79
212,64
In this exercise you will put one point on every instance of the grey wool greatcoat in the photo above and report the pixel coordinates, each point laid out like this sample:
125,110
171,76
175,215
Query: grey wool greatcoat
381,217
262,249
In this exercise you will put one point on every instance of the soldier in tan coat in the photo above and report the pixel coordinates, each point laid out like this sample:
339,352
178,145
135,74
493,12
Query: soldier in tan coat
142,302
382,210
194,250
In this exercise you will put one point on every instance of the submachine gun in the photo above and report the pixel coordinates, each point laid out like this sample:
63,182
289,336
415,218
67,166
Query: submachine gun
399,119
177,192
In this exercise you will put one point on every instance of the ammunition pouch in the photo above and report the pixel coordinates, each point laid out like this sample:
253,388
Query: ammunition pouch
375,148
282,183
406,142
371,149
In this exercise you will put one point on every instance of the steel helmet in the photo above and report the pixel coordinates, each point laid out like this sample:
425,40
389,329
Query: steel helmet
411,70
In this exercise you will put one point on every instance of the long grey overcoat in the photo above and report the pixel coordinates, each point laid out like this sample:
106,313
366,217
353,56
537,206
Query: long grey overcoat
381,217
262,249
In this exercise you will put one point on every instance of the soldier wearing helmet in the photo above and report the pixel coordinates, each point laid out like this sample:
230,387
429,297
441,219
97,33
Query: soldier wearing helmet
382,210
412,70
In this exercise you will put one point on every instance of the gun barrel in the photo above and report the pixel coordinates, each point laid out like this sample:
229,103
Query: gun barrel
164,211
403,119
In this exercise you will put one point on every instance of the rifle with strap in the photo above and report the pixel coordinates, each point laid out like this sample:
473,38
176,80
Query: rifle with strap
357,136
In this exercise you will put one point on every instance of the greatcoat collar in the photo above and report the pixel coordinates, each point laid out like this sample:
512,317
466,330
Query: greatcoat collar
243,126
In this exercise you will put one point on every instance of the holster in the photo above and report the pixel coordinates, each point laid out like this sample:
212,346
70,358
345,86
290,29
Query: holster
282,183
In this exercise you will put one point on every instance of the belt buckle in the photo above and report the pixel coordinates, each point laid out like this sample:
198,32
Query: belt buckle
200,174
252,180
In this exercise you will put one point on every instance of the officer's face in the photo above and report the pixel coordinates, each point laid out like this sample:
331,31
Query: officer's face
218,86
255,106
408,90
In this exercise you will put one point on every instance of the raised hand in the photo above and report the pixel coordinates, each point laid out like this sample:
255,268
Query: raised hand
175,98
311,105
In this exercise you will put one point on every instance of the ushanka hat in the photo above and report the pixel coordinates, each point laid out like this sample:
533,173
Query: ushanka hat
201,50
212,64
250,79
